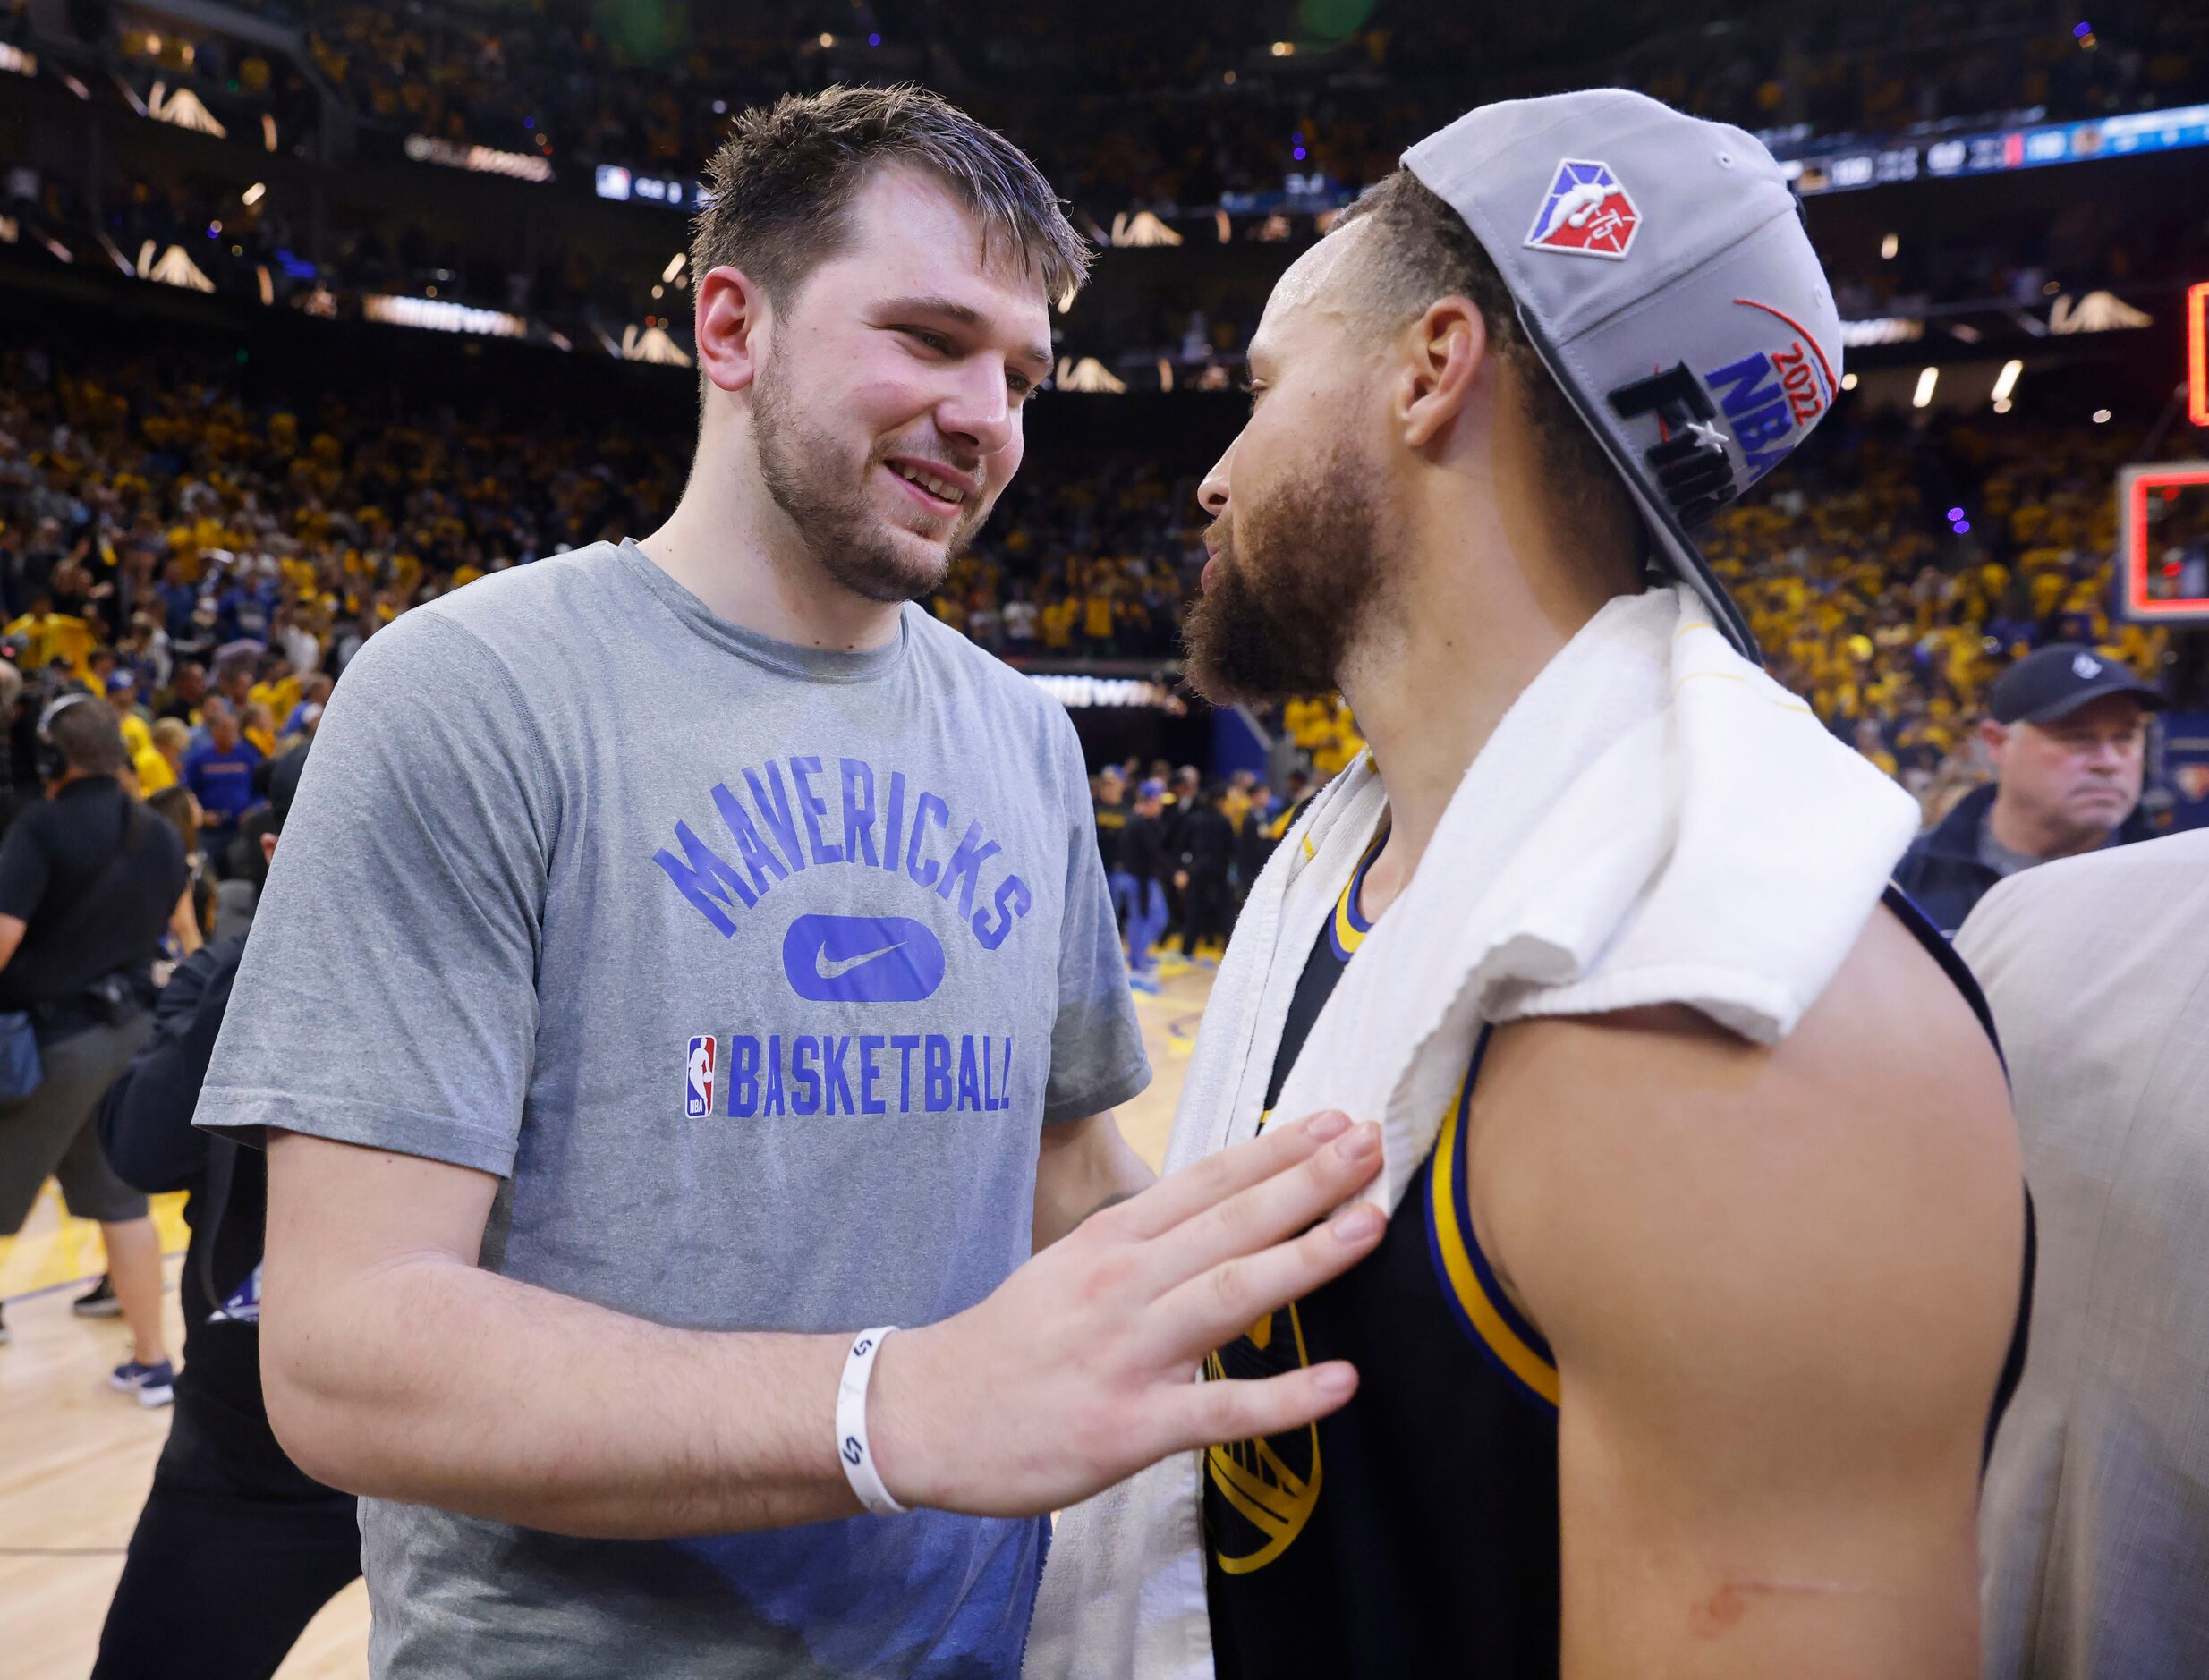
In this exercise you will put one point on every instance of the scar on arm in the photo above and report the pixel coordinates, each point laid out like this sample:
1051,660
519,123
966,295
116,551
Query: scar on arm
1713,1615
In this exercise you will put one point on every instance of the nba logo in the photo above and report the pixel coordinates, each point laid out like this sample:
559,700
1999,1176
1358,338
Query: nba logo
1586,214
698,1078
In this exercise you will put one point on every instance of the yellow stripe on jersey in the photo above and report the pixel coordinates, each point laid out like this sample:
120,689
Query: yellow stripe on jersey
1451,1239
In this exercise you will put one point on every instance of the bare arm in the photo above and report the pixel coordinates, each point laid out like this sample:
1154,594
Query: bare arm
184,923
1779,1285
1085,1167
395,1366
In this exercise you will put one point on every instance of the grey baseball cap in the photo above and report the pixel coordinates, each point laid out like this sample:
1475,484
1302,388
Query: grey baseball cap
1664,276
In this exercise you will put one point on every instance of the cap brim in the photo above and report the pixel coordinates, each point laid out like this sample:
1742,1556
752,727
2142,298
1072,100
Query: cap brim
1666,533
2151,699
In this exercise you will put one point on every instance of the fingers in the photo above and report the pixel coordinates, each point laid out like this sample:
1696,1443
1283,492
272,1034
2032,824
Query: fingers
1194,1188
1208,1414
1219,1304
1268,1211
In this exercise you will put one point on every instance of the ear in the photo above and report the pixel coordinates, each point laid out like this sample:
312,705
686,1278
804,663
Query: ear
267,847
1440,353
1997,739
731,319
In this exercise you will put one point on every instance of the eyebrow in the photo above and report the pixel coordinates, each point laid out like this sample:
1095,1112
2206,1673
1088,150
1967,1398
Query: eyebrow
1036,356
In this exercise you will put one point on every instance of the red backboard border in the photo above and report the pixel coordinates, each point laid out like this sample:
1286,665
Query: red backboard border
2135,485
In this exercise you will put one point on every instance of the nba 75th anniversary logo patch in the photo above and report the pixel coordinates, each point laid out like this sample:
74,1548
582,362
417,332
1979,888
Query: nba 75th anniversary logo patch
1585,214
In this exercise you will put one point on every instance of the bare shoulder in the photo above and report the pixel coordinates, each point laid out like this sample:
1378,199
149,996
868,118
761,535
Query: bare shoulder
1647,1181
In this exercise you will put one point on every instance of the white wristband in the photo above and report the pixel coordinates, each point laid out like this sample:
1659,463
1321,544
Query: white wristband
852,1450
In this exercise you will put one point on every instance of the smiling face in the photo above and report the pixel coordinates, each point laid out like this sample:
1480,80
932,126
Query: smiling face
886,416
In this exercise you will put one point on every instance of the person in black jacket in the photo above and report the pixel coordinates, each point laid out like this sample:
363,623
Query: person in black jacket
237,1548
2068,730
1139,882
1206,846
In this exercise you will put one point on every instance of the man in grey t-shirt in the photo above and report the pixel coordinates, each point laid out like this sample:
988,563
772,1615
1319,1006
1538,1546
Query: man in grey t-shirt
686,954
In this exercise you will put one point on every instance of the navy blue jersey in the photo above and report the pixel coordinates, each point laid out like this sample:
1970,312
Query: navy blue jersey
1416,1531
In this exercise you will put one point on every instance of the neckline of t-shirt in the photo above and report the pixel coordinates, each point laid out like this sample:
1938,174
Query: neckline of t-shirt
819,665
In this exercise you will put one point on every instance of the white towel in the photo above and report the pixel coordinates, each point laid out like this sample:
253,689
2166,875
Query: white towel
1654,821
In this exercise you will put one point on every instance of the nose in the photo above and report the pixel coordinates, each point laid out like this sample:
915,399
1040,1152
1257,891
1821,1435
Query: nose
2107,756
1211,495
978,407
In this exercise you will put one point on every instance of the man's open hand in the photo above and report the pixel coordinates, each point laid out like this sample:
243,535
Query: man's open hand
1080,1369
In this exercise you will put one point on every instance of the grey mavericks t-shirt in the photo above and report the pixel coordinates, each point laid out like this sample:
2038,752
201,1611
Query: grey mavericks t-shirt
755,971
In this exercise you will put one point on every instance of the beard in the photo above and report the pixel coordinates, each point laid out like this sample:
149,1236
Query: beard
1288,597
823,484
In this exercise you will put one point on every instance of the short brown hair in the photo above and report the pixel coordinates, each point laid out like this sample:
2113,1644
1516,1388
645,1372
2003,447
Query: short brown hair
1423,252
85,732
785,177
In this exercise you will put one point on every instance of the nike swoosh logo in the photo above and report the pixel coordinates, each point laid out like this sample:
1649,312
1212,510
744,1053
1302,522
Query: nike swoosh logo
829,970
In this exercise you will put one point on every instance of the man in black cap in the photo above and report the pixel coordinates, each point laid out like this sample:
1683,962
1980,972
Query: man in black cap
2067,727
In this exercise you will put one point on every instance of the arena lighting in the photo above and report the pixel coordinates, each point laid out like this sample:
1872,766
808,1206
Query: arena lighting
2096,312
1284,49
269,131
2136,532
2197,353
1849,382
1077,693
1066,302
1166,374
2001,405
1089,374
254,194
2100,417
441,316
268,286
173,268
182,109
674,268
651,344
1882,329
2006,381
75,87
14,57
1926,380
1888,246
482,160
1142,228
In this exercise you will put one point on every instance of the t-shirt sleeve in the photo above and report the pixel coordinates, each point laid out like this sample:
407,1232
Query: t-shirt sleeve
387,994
1096,1048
